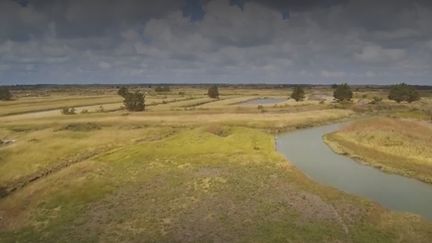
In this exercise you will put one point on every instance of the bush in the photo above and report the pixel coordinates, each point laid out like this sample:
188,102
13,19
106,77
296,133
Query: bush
343,93
213,92
68,111
403,92
81,127
100,109
376,100
5,94
298,94
162,89
123,91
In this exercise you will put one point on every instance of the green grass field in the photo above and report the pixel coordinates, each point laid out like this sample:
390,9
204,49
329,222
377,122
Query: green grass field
182,171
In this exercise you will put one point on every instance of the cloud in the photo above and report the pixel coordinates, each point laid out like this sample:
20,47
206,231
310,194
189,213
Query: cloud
376,54
104,65
332,74
232,41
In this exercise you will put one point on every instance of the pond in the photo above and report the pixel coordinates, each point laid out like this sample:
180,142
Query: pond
263,101
308,152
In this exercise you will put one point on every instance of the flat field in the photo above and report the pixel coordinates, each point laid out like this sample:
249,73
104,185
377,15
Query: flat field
401,146
188,169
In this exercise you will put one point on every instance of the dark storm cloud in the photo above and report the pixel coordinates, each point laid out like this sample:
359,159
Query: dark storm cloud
78,18
313,41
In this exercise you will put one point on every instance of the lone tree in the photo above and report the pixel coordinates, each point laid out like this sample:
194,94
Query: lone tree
213,92
5,94
343,93
403,92
132,101
298,94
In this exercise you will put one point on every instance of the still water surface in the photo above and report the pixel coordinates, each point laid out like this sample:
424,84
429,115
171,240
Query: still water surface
308,152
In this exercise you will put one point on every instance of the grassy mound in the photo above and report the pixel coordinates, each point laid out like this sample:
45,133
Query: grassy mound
393,145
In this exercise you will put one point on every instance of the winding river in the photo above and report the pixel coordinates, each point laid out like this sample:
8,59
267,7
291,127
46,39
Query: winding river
308,152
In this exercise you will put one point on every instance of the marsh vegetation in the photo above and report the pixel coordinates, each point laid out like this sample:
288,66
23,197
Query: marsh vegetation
196,168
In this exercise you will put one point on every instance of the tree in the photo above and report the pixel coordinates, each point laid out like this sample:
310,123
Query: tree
213,92
123,91
403,92
132,101
5,94
343,93
298,94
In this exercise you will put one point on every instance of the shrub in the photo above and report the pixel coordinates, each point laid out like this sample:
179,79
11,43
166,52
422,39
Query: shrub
132,101
403,92
162,89
68,111
100,109
81,127
343,93
5,94
298,94
217,130
376,100
213,92
123,91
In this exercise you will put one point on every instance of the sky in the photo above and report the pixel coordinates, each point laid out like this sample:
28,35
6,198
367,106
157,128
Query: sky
216,41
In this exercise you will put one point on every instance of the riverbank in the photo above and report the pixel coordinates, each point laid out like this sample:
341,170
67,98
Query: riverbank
199,184
398,146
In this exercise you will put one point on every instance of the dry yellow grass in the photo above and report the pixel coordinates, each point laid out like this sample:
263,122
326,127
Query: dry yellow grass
394,145
225,102
43,104
189,102
259,120
37,150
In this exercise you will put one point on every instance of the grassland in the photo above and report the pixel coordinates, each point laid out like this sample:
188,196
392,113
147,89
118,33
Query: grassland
401,146
206,173
33,104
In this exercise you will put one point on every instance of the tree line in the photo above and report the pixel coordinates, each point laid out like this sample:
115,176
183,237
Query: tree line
134,101
343,93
